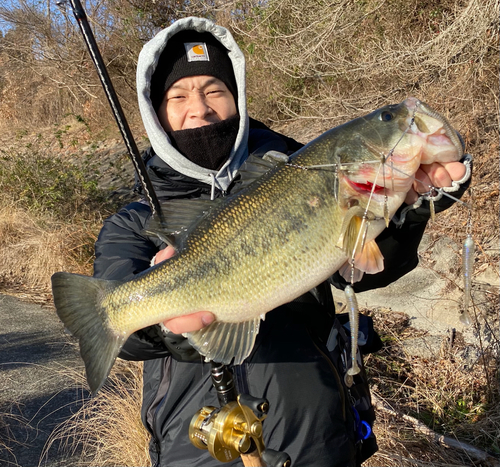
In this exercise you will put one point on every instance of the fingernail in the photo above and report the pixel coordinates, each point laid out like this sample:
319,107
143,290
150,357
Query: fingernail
207,319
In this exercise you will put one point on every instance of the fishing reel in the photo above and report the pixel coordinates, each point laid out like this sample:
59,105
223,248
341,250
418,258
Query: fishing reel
235,428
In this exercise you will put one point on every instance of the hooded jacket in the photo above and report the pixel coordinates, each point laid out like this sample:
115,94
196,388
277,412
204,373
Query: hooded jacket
297,361
148,59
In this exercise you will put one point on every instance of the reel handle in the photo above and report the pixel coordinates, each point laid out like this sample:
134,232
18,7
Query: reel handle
259,406
274,458
235,429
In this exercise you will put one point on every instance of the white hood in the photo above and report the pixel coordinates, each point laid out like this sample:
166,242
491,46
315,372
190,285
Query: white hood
148,60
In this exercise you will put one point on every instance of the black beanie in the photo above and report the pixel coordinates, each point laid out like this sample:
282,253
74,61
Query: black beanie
191,53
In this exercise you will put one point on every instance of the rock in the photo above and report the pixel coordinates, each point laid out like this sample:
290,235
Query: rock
431,295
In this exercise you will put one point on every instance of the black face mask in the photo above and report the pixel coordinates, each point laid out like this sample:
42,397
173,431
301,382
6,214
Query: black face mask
207,146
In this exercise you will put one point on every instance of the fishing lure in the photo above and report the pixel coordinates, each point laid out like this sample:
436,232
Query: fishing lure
467,266
352,306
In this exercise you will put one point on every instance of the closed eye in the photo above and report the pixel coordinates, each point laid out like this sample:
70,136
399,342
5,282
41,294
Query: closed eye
175,97
215,91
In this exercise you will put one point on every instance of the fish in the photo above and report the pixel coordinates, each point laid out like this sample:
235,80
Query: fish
293,222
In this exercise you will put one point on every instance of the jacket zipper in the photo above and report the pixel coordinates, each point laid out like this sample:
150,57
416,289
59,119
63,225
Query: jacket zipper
337,377
153,423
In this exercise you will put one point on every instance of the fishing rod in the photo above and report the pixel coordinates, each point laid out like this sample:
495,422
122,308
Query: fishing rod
140,167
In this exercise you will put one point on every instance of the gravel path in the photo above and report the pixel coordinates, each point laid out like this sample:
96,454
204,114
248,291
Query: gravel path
36,389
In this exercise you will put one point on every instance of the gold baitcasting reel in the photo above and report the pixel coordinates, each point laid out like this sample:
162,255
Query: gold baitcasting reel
229,431
235,429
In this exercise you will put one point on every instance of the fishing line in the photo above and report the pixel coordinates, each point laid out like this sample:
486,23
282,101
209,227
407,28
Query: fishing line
365,223
386,202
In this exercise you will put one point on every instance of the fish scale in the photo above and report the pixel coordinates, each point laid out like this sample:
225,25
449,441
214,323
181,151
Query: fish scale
265,245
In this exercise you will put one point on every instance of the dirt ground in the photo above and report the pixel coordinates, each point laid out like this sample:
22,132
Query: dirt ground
37,391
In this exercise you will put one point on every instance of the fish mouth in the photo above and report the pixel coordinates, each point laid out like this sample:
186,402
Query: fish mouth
443,143
366,187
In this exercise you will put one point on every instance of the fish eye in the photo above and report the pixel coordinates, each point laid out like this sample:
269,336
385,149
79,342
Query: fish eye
386,116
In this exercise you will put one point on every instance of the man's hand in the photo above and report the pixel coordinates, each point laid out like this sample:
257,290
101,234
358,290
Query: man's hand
436,174
187,323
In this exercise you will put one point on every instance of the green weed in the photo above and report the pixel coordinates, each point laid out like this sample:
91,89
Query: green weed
39,181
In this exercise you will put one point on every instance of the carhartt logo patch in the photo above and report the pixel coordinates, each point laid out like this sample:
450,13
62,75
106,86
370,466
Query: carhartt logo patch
196,52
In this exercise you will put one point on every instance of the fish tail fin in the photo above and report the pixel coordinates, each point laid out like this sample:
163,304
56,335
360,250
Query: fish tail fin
78,301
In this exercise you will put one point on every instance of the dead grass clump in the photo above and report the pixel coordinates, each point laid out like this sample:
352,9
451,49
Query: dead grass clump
7,438
4,436
51,210
338,60
107,430
32,250
38,179
403,442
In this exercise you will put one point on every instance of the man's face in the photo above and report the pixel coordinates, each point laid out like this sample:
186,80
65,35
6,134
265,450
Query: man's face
196,101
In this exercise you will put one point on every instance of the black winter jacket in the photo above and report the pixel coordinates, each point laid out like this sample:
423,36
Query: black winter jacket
291,365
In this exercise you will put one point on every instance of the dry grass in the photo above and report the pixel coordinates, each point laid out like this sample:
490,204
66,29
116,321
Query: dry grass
31,253
51,210
454,396
5,435
10,415
107,430
337,60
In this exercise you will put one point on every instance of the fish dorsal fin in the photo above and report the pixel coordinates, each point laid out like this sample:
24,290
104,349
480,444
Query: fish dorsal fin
275,158
179,217
221,342
254,167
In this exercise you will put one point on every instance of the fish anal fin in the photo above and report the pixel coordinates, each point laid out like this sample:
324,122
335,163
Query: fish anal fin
221,342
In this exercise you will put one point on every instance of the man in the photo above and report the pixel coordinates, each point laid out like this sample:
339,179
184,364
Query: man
191,86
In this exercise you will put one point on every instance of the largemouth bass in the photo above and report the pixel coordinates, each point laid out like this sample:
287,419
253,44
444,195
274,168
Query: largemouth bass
275,239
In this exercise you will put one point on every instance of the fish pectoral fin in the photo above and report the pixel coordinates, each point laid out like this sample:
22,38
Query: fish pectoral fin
369,260
221,342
